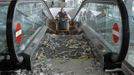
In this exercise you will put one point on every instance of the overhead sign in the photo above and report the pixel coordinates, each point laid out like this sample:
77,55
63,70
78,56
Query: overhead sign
18,33
115,34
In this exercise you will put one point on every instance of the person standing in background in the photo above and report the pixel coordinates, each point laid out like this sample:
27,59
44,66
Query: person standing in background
52,4
62,18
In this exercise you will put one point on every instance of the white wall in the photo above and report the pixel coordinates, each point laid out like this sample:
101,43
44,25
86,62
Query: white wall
54,11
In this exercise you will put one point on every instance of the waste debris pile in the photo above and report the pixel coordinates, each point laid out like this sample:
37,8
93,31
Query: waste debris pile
61,46
65,55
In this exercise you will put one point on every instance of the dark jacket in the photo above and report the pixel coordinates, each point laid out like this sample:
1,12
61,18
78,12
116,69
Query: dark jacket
62,15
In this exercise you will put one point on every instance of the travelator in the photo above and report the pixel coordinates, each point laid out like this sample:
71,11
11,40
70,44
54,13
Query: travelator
24,23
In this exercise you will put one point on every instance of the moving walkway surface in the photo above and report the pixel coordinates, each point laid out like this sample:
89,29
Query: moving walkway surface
30,49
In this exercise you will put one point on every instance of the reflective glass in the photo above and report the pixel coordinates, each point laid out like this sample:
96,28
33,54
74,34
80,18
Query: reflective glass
105,19
3,20
31,18
130,55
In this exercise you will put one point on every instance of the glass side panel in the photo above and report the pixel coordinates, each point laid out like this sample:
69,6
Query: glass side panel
29,18
3,19
130,55
105,19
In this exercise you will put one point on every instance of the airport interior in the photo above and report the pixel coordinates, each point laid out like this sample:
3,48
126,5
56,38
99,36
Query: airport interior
66,37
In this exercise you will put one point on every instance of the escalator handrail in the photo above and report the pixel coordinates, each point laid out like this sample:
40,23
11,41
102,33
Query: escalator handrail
9,34
125,31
